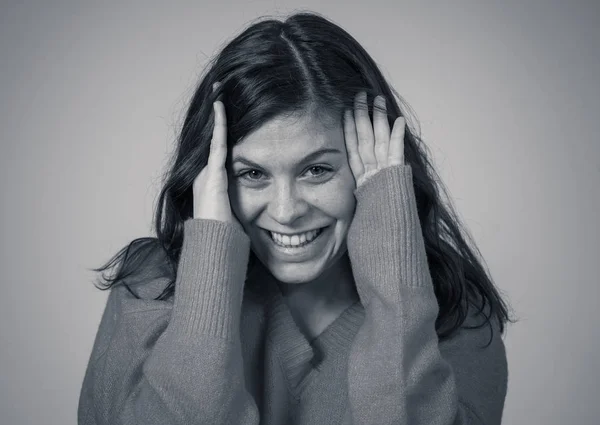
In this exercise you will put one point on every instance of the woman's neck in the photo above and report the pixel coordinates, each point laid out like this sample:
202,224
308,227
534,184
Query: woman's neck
335,285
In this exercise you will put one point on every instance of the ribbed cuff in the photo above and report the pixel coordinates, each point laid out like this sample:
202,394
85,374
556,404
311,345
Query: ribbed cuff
210,279
385,241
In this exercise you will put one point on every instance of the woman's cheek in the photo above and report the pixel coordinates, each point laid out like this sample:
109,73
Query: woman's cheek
242,202
336,197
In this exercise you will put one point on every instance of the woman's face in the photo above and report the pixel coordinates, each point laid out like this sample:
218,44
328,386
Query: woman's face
288,179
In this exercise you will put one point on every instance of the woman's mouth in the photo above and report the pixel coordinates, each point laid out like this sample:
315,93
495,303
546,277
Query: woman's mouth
296,248
295,241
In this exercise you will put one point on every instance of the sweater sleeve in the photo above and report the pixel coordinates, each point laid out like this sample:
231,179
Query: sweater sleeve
177,361
398,371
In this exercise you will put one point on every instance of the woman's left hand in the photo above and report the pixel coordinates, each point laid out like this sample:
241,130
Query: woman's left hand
370,147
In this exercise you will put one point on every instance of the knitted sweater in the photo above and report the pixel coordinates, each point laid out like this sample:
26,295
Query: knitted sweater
226,350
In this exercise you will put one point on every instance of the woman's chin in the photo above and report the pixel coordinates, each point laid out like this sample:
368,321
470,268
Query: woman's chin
294,274
302,269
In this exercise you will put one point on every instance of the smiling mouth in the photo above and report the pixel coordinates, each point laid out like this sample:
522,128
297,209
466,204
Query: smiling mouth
298,245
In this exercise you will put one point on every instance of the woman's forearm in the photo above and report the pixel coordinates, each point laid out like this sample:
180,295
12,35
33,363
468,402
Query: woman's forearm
179,365
398,372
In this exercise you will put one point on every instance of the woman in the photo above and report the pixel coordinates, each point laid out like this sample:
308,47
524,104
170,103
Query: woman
305,270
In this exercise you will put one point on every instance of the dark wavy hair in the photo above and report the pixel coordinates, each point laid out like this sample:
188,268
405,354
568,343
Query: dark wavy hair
307,64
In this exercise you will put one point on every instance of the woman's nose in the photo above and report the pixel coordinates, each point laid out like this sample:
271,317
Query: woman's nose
286,204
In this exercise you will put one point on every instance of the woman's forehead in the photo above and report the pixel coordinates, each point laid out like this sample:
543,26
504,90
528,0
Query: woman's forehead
290,135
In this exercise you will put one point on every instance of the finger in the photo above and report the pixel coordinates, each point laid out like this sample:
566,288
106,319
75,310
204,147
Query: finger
351,138
215,87
396,150
218,144
381,129
364,130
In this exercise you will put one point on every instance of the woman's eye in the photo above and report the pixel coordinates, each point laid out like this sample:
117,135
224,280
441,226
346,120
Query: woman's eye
256,175
251,175
320,170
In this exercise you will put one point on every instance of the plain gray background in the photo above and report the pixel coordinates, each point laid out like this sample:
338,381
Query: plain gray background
508,98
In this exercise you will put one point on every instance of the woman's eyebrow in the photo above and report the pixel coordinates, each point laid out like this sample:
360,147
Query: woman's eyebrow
308,158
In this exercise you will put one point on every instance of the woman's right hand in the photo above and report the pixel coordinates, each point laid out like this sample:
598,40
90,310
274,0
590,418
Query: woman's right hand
211,198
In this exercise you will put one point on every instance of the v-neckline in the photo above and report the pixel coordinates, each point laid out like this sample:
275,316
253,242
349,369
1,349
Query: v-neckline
302,358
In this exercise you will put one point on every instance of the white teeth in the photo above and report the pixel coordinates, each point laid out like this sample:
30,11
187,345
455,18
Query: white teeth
294,240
